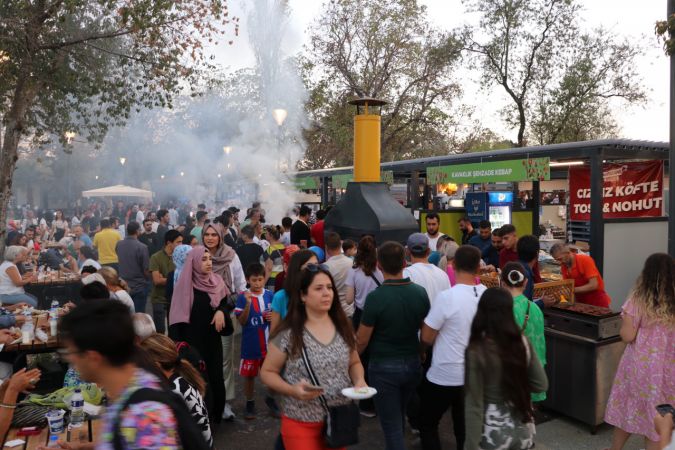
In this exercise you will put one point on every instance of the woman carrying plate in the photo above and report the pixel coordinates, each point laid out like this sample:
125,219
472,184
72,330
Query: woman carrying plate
317,323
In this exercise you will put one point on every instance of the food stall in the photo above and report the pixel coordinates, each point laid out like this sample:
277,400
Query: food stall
540,206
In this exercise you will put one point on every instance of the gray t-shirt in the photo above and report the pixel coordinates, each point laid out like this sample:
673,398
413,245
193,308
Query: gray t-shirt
339,267
331,366
134,263
362,284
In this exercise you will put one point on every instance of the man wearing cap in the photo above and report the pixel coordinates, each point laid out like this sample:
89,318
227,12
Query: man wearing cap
420,271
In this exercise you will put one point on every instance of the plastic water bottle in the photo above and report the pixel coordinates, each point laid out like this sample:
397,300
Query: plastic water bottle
53,326
77,409
27,329
54,310
53,441
72,378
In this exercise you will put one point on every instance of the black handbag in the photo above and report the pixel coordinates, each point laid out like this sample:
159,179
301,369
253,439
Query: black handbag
342,422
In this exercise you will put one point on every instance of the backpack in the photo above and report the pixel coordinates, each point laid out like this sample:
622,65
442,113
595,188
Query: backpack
190,435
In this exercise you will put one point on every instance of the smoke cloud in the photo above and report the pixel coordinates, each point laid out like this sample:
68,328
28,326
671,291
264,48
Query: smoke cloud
180,153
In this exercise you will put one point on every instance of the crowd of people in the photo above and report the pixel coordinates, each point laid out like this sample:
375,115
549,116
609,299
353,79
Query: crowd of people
318,314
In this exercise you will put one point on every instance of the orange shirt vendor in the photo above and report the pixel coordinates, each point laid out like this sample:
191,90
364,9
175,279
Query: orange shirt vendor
588,285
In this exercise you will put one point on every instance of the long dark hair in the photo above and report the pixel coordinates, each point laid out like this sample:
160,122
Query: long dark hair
292,276
494,323
654,291
297,314
162,351
366,255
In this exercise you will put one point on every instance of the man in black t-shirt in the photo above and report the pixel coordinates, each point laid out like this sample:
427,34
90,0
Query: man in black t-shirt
252,253
467,229
149,237
300,230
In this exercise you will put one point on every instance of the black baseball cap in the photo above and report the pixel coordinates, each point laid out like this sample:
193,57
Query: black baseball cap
233,209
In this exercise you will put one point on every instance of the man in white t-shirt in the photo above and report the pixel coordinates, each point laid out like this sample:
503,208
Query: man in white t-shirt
448,327
433,222
430,277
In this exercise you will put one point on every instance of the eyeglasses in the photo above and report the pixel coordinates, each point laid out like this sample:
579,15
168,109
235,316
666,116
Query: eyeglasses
317,267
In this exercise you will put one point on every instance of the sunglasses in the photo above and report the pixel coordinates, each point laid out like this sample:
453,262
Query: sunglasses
317,267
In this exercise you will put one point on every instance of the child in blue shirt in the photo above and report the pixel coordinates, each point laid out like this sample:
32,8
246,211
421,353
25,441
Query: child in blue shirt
253,310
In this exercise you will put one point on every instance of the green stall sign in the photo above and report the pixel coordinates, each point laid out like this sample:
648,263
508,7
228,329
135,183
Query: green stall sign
387,176
306,183
535,169
340,181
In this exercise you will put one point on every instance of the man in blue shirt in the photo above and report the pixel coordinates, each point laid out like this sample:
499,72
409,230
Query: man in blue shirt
80,235
482,240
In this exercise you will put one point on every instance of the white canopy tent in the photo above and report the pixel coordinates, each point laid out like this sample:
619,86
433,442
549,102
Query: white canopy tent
118,191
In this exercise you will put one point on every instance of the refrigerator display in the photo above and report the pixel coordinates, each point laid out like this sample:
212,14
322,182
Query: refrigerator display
499,206
500,215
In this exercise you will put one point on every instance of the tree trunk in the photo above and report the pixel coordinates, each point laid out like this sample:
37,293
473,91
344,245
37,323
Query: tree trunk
24,94
521,130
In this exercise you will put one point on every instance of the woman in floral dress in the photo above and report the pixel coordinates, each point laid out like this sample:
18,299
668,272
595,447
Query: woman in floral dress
646,374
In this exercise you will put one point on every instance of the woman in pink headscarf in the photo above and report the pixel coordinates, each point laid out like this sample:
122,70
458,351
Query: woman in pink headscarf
197,316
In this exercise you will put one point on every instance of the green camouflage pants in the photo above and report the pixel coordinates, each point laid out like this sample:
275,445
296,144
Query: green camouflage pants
502,432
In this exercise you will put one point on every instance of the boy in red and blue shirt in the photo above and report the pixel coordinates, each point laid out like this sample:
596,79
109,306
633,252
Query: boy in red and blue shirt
253,309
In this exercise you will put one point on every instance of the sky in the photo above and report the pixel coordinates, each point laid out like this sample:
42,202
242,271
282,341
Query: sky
624,17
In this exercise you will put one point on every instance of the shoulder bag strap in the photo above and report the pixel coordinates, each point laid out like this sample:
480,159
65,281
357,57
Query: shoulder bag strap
377,282
528,355
527,316
312,376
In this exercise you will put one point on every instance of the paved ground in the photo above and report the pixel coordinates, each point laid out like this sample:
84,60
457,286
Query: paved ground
556,434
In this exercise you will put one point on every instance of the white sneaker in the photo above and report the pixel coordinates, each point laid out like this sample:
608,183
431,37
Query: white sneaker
228,414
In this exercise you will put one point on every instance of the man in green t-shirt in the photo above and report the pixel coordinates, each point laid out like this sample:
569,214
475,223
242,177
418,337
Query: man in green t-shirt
391,320
161,265
201,221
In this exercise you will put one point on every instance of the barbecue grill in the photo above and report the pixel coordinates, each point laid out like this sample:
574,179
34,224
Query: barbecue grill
583,350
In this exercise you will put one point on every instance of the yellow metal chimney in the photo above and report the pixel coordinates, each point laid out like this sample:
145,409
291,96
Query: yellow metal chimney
367,140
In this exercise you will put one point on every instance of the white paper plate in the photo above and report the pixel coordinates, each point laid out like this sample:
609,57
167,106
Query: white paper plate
354,395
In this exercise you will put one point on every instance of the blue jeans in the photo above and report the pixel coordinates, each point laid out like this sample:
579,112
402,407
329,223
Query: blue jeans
140,298
13,299
395,381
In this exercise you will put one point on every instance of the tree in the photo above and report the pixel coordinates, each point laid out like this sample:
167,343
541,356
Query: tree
558,79
572,104
85,65
386,50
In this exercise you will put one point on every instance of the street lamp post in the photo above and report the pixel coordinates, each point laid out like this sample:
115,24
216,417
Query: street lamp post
279,117
70,135
123,160
671,158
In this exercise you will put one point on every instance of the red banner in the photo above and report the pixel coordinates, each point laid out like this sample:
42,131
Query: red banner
632,189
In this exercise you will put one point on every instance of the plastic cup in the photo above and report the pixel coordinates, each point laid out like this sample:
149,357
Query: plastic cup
55,420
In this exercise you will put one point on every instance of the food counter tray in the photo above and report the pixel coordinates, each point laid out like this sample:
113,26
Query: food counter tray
584,325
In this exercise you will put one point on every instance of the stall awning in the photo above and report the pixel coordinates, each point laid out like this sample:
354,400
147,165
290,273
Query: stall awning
118,191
